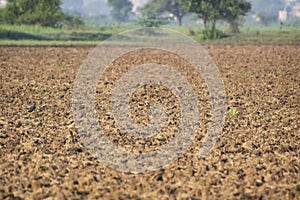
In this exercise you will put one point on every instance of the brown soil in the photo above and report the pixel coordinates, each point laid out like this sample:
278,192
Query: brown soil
257,156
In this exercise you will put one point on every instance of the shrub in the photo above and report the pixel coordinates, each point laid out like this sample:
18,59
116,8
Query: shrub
152,20
211,34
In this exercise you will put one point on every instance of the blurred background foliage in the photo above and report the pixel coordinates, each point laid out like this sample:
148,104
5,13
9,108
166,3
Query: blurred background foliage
98,19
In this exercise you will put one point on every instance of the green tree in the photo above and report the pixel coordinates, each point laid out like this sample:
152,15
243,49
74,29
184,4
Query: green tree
177,8
196,6
209,11
1,16
233,12
212,10
120,9
42,12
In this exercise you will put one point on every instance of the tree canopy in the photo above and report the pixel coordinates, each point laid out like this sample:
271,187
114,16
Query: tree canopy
232,11
176,7
209,10
120,9
212,10
42,12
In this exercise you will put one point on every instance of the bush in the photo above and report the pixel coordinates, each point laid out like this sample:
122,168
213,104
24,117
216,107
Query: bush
152,20
42,12
70,21
211,33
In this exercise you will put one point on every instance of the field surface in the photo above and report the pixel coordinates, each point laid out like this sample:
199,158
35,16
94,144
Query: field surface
256,157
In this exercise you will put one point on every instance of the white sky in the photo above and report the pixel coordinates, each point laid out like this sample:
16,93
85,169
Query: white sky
136,3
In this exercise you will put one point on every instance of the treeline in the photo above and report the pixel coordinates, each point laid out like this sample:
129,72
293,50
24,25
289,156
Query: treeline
155,11
152,14
38,12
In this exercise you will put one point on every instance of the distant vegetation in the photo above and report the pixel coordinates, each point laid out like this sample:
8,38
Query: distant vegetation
120,9
51,22
38,35
209,11
46,13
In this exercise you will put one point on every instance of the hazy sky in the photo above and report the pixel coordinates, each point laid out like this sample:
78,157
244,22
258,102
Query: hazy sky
136,3
89,1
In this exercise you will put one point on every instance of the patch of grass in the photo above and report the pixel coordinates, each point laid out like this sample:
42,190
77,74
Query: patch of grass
284,92
243,75
10,33
44,93
38,105
159,88
239,75
26,35
233,112
75,193
269,35
265,35
274,73
46,43
63,65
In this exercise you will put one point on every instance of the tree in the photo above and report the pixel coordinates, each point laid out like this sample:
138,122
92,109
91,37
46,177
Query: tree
212,10
196,7
42,12
1,16
233,11
120,9
176,7
209,11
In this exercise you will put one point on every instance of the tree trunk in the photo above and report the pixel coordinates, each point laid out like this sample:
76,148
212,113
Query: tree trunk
179,19
234,27
213,25
204,18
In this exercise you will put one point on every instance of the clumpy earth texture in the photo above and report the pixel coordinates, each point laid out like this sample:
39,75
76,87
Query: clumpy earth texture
256,156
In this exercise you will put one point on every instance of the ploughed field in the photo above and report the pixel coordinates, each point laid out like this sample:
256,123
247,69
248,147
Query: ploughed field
256,156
